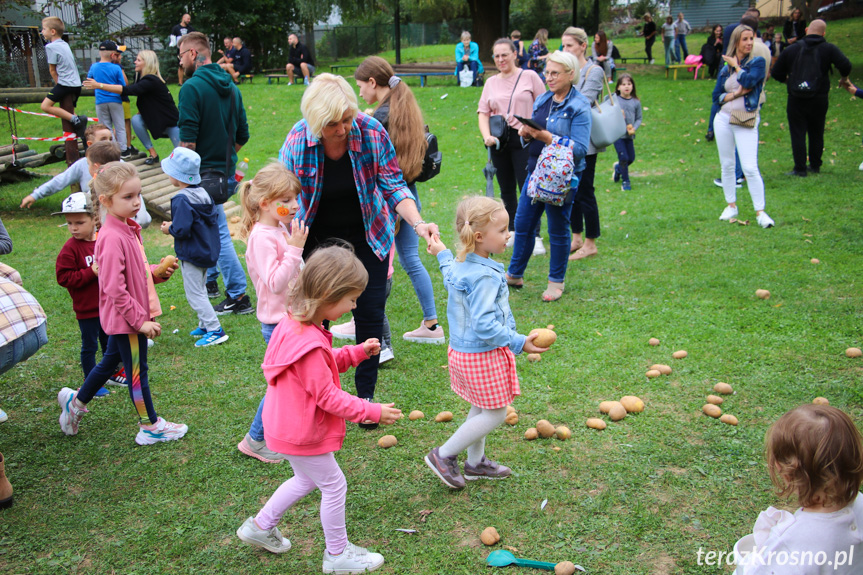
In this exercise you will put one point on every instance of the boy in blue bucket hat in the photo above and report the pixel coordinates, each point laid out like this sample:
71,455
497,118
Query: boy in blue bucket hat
195,228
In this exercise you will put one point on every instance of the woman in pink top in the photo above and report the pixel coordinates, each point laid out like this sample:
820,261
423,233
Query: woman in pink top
274,258
125,307
306,407
510,93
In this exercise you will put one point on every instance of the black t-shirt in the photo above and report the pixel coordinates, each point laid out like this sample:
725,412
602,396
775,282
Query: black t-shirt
649,28
339,213
242,60
180,30
299,54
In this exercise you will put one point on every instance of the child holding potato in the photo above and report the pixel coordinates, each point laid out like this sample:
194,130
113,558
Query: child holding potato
127,304
483,339
816,453
625,146
306,408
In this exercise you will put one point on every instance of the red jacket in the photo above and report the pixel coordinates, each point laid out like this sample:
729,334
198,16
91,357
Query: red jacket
306,408
75,274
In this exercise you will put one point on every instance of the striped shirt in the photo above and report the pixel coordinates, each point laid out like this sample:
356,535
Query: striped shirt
377,175
19,311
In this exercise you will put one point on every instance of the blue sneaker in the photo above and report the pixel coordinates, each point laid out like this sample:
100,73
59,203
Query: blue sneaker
198,332
625,187
212,338
616,172
103,391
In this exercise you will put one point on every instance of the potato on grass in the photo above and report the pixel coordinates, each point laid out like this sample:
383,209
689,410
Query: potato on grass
729,419
489,536
443,416
632,404
510,409
596,423
762,293
564,568
715,399
544,428
821,401
653,341
680,354
416,414
511,419
563,433
853,352
531,434
387,441
711,410
661,368
723,388
617,412
651,373
545,337
534,357
606,406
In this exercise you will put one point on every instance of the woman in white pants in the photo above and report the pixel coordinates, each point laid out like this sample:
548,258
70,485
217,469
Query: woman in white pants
739,92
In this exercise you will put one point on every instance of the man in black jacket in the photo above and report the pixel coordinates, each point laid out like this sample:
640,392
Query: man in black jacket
808,96
299,59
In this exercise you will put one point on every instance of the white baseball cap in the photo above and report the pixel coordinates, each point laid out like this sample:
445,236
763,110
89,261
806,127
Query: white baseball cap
75,204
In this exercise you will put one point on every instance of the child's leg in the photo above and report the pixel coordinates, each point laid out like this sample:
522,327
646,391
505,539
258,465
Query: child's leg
133,351
90,330
194,284
105,117
471,434
50,106
119,121
622,159
99,375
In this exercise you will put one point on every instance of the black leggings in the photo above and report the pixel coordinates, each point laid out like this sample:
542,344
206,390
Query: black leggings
585,212
511,165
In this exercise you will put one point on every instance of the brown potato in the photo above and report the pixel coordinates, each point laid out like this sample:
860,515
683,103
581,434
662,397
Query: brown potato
729,419
596,423
651,373
661,368
632,404
511,419
606,406
711,410
235,219
723,388
443,416
815,261
555,448
550,326
564,568
562,433
653,341
714,399
762,293
387,441
853,352
680,354
821,401
531,434
162,269
617,412
545,337
489,536
534,357
544,428
510,409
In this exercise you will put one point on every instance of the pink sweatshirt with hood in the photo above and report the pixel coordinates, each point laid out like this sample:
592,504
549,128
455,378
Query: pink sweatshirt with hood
306,408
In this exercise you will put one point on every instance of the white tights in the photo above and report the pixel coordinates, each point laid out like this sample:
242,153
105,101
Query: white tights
471,434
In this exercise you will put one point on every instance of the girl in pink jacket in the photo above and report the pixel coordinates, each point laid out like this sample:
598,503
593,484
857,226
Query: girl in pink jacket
305,408
126,307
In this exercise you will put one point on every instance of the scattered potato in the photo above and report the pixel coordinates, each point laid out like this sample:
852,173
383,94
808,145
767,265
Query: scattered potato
661,368
680,354
416,414
563,433
651,373
550,326
544,428
443,416
510,409
531,434
762,293
511,419
820,401
606,406
853,352
714,399
387,441
723,388
729,419
235,219
489,536
653,341
815,261
564,568
617,412
632,404
711,410
545,337
533,357
596,423
555,448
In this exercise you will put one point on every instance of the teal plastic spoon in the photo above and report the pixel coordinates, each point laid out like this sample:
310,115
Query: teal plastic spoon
502,558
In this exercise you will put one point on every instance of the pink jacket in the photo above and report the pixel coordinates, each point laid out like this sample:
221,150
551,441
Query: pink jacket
273,266
124,302
306,408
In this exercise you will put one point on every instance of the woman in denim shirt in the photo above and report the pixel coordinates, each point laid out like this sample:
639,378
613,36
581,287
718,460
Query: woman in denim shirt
738,91
566,114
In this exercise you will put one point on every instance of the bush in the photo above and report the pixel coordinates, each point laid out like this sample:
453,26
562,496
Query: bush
9,76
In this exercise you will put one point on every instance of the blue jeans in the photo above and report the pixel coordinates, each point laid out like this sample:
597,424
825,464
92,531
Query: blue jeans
22,347
669,49
256,431
407,246
92,336
625,148
526,218
229,263
140,129
680,42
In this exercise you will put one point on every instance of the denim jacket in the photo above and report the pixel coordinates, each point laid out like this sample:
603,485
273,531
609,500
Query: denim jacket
569,119
752,73
478,305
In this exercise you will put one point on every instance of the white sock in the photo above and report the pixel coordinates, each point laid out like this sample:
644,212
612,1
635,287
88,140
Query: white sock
471,434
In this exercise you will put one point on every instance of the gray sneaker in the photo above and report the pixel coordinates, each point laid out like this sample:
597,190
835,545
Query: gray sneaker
259,450
269,539
446,468
353,559
486,469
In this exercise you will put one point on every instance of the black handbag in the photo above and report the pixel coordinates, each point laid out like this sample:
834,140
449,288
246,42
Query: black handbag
497,125
216,181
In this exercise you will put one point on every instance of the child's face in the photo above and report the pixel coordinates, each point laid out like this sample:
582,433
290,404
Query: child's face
81,226
48,33
492,240
625,87
101,136
282,209
126,202
334,311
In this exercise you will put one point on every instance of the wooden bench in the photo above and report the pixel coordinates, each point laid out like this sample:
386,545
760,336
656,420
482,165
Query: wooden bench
625,59
278,78
244,77
335,67
675,67
615,70
424,70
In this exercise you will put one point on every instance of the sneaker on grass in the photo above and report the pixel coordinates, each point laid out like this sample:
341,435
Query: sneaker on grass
486,469
446,468
424,334
212,338
386,355
616,172
345,330
353,559
241,306
728,213
3,416
70,414
764,220
269,539
103,391
538,248
213,290
162,430
119,378
198,332
259,450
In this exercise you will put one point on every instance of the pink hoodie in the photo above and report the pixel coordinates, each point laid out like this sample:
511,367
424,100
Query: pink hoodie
306,408
273,266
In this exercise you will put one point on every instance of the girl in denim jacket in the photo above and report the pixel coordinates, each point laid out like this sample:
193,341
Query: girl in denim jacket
483,339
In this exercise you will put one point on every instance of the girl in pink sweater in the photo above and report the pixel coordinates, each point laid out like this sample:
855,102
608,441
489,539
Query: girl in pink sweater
274,258
306,408
125,307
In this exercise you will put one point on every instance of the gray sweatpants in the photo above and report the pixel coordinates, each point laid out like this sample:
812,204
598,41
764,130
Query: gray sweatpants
111,114
195,285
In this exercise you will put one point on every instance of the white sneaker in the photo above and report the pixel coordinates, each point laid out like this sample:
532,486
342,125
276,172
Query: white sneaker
70,413
162,430
3,416
269,539
352,560
861,167
728,213
345,330
386,355
764,220
422,334
651,61
511,241
538,248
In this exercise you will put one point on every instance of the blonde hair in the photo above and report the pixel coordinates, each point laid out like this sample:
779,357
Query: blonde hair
472,215
736,34
151,64
578,34
271,182
326,100
330,274
195,41
568,61
54,23
815,452
465,35
110,179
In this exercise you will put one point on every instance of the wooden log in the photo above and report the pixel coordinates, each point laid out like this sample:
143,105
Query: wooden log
24,154
7,149
155,186
149,177
157,195
33,97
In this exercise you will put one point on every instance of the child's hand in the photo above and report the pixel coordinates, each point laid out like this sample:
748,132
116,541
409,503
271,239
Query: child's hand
630,130
151,329
171,269
390,414
95,268
28,201
165,228
299,234
372,346
435,246
529,346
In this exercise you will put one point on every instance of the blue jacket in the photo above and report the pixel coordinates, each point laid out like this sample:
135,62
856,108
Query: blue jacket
195,227
570,119
478,305
473,55
752,74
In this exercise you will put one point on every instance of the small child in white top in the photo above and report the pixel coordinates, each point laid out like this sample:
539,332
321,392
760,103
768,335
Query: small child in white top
816,453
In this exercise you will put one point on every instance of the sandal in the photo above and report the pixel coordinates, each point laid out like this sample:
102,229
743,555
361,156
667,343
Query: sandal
553,292
512,282
580,254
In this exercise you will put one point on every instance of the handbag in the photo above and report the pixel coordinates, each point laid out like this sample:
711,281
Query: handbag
743,118
552,179
608,121
465,77
215,182
497,126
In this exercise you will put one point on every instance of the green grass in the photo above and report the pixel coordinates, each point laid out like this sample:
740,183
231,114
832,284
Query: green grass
640,497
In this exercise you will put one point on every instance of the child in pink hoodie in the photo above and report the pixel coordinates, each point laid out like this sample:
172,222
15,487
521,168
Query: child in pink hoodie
274,258
306,408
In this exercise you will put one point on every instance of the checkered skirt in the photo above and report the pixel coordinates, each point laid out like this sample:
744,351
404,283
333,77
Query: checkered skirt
487,379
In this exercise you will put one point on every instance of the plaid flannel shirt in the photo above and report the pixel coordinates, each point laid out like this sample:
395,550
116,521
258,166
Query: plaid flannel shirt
377,175
19,311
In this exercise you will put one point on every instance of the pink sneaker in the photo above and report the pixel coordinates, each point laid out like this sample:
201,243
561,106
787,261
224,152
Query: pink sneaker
344,330
426,335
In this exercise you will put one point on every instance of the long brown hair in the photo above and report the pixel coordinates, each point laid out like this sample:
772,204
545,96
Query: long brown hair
601,46
405,125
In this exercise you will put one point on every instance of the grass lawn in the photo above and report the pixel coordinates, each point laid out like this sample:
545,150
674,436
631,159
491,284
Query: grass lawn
641,497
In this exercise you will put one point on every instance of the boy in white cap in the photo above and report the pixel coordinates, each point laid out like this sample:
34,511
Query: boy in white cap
195,228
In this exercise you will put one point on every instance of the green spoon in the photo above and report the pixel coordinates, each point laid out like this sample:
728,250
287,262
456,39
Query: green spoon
501,558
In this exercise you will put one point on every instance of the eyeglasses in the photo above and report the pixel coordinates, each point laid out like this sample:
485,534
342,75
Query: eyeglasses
554,75
181,53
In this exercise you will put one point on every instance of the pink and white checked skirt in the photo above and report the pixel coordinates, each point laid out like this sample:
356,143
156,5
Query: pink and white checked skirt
487,379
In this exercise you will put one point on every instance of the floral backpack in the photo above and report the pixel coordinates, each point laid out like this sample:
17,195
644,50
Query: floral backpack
554,175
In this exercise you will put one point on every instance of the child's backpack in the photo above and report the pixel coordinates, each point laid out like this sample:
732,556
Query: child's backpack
805,76
432,160
552,179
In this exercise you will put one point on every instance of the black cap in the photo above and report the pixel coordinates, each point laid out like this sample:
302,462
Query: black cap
111,46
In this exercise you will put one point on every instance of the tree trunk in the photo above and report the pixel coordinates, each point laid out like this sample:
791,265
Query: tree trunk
490,20
309,31
575,13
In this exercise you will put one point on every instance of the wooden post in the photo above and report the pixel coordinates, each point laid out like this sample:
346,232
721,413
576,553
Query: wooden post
72,155
398,34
